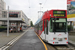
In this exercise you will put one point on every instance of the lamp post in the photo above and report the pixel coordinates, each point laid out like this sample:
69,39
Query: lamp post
8,22
40,8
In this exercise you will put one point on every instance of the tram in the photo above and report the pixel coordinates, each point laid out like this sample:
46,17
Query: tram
52,27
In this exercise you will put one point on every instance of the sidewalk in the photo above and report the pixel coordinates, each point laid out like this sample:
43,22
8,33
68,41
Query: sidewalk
4,39
72,38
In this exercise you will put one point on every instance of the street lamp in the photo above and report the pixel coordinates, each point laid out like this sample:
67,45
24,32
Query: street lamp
40,8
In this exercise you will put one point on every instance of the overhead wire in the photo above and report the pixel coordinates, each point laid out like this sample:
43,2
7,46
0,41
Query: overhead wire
44,3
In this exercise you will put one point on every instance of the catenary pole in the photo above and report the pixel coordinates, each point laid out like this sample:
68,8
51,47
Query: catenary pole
40,8
8,22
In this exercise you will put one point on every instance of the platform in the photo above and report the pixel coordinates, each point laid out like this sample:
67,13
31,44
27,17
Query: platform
29,41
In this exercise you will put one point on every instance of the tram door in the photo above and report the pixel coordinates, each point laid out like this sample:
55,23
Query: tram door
46,28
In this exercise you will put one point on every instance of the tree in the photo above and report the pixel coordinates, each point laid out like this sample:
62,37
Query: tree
31,23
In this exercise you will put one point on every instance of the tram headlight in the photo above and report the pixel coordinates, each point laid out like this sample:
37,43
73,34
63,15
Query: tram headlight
65,38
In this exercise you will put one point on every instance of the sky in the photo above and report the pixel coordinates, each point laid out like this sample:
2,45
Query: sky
31,7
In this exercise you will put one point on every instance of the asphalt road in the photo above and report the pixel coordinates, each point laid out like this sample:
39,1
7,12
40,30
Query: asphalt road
29,41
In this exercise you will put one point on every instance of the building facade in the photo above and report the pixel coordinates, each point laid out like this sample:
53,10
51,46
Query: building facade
71,13
15,15
2,7
70,6
17,18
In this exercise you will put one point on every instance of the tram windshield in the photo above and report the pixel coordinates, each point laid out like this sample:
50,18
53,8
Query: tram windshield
58,25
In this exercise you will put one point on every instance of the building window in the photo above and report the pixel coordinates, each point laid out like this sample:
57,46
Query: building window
4,15
4,12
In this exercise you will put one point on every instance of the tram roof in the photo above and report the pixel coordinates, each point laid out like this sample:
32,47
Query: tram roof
38,20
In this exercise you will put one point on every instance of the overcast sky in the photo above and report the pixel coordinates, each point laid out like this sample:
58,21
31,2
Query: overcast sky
31,7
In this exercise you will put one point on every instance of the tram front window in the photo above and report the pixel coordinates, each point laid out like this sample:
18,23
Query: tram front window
58,25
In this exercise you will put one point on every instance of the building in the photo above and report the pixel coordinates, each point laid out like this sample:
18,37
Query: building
17,18
2,7
71,13
70,6
71,19
18,14
29,22
14,15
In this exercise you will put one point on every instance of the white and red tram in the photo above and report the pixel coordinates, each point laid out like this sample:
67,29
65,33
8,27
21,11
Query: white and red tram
52,27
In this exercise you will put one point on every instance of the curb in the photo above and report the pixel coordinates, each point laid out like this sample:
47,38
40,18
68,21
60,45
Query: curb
42,42
72,43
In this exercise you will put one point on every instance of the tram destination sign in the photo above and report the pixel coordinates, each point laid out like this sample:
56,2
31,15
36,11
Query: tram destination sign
59,13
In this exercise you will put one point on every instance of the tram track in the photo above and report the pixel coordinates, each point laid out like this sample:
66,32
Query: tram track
60,47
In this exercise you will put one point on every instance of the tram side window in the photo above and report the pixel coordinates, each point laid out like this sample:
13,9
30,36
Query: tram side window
44,26
40,25
51,26
47,28
37,27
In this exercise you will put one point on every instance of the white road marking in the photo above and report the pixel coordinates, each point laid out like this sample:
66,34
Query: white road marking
12,41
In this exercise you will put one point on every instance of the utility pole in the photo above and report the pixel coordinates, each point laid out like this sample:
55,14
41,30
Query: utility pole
8,22
40,8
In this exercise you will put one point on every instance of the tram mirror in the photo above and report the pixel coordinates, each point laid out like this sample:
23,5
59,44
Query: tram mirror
57,18
50,15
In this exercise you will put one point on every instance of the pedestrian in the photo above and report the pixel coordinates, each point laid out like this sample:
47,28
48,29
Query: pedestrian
14,29
11,29
18,29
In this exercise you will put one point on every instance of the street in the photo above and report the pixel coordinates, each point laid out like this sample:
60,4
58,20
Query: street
29,41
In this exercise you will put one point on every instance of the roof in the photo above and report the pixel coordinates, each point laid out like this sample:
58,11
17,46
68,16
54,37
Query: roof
38,20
